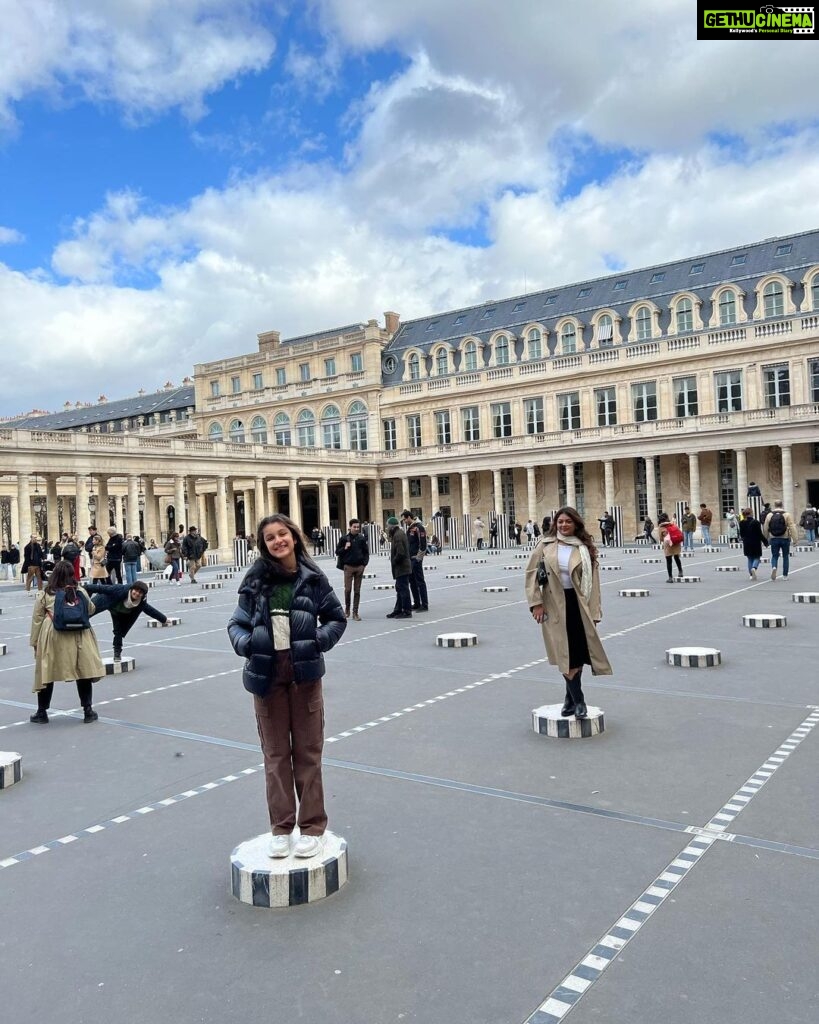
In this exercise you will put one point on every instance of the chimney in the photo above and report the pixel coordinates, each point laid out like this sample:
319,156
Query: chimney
269,341
392,322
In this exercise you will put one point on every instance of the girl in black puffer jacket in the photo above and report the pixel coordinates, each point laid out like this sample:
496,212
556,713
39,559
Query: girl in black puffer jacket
287,617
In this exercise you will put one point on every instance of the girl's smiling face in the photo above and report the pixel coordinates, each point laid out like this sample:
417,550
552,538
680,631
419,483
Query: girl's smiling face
565,525
280,544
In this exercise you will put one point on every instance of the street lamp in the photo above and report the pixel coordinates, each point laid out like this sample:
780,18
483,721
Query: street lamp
38,507
141,497
92,500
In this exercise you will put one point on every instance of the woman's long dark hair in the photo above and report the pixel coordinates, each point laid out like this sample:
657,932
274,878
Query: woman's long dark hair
62,576
580,530
299,543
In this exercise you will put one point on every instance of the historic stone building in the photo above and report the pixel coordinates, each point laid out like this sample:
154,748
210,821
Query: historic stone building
679,382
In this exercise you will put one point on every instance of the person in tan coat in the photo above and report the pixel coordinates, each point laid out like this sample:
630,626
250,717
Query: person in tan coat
62,654
563,592
99,570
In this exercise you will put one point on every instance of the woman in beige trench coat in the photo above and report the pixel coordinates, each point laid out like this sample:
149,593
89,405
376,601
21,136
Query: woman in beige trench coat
566,603
62,654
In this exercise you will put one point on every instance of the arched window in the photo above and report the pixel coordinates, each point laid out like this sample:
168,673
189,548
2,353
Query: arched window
685,316
215,432
442,362
357,426
814,293
306,429
331,427
281,428
470,356
258,430
642,322
605,331
773,298
727,308
237,432
568,339
535,343
501,350
414,367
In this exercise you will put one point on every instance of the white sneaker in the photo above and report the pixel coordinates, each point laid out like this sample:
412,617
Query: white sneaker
279,846
307,846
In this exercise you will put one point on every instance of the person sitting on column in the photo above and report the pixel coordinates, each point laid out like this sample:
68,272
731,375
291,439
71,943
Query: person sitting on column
352,555
401,570
648,529
126,604
753,490
287,618
417,541
194,547
563,594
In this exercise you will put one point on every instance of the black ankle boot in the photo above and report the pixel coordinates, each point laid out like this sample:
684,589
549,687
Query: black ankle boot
90,714
568,704
40,717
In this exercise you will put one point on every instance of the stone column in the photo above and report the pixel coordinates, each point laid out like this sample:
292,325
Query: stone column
694,477
231,510
293,492
570,494
52,511
224,538
193,505
530,494
324,502
787,481
84,517
25,514
351,499
608,478
497,491
742,479
651,488
152,531
261,501
405,494
179,502
119,504
103,513
14,508
378,504
465,494
434,494
133,505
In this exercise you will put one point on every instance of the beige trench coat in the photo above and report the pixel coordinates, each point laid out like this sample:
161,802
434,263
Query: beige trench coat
553,626
61,655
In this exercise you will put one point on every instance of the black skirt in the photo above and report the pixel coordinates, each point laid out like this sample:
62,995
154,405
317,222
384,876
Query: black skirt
575,633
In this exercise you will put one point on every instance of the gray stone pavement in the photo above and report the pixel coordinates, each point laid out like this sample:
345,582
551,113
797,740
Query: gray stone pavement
486,862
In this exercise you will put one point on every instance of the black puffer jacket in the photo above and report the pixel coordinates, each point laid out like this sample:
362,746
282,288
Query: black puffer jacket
316,624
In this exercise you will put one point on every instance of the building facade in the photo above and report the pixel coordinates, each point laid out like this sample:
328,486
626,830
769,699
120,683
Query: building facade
682,382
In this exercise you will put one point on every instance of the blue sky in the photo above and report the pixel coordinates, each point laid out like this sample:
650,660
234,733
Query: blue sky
176,178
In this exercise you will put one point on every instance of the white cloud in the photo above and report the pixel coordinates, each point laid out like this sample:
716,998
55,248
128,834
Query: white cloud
147,56
10,236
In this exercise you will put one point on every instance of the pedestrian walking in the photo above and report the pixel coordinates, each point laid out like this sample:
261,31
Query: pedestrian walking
353,556
33,563
780,530
63,653
563,593
173,553
753,538
417,543
287,618
401,570
193,549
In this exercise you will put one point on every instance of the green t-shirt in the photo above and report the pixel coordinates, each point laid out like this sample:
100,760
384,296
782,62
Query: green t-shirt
279,602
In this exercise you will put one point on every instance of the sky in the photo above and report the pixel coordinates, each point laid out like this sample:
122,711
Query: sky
176,178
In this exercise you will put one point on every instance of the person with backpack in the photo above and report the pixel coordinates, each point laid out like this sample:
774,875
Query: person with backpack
71,553
750,530
780,530
64,643
352,557
808,523
671,539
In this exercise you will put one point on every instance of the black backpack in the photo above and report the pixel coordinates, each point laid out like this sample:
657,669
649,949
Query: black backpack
70,551
70,611
777,526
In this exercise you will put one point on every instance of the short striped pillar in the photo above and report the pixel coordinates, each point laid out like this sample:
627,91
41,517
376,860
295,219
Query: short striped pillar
456,640
631,551
11,768
727,568
368,576
225,575
764,621
3,649
262,881
635,592
212,586
455,576
479,561
511,568
806,598
686,554
710,549
153,583
547,721
115,668
651,561
171,620
454,557
693,657
383,586
611,567
495,590
687,579
803,549
430,568
193,598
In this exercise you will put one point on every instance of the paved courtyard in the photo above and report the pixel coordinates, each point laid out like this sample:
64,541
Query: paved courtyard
665,870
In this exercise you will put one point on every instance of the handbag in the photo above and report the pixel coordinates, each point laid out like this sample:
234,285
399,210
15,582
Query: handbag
542,574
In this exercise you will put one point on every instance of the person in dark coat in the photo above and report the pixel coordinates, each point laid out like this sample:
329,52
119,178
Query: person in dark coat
750,530
113,550
417,542
287,617
401,570
353,556
126,604
33,563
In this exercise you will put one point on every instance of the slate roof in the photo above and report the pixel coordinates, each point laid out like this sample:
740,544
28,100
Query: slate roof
333,332
657,283
123,408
